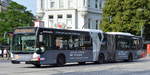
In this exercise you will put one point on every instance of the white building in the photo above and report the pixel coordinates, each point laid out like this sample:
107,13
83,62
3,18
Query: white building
3,4
72,14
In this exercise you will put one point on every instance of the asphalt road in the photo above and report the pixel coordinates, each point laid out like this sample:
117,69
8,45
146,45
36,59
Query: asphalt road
138,67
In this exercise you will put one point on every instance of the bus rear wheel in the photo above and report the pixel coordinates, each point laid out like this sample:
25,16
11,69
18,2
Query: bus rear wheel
130,58
81,63
60,61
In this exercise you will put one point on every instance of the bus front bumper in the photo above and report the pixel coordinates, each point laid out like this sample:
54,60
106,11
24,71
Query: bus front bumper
31,62
26,62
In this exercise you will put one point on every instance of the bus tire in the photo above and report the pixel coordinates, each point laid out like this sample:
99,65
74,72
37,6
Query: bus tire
15,62
130,57
37,65
101,59
81,63
60,60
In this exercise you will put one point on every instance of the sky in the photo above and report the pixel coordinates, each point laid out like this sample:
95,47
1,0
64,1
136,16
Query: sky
30,4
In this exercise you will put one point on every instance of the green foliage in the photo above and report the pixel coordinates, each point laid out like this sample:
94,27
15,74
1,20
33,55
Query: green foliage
126,16
16,15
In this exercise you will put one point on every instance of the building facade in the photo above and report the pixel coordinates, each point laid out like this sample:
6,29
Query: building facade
3,5
70,14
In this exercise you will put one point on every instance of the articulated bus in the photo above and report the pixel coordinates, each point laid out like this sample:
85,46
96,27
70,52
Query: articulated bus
48,46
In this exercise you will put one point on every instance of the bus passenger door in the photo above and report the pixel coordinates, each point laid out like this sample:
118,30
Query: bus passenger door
111,47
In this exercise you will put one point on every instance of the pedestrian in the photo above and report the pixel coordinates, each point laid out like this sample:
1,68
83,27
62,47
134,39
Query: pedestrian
5,53
1,53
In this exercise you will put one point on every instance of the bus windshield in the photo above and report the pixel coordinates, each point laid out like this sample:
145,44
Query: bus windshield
23,43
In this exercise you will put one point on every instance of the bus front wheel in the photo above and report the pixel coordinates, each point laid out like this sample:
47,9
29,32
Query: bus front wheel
60,61
37,65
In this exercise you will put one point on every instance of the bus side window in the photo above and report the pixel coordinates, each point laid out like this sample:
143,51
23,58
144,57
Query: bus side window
100,36
47,41
59,43
71,43
104,44
76,44
86,42
65,44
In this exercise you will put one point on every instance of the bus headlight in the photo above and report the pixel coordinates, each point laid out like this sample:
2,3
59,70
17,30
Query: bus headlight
36,57
11,55
42,49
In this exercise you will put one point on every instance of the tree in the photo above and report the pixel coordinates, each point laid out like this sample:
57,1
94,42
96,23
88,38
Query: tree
126,16
16,15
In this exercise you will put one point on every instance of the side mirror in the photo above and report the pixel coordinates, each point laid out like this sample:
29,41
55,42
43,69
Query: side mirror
42,49
39,51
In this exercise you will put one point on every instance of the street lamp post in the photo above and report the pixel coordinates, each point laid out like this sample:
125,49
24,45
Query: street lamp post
142,31
110,19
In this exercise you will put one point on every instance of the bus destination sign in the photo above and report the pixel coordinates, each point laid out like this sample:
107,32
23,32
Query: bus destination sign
24,31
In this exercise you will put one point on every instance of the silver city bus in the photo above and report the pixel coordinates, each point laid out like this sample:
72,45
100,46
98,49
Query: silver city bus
45,46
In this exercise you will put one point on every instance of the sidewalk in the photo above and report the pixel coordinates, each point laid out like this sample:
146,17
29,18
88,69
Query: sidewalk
1,58
4,60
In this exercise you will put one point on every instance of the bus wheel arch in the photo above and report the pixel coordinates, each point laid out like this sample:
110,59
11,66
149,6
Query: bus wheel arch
61,60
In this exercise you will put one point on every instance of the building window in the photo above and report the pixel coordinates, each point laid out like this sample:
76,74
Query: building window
59,16
51,16
69,16
96,3
100,4
89,1
85,3
51,21
61,3
42,4
70,3
89,23
51,4
97,24
69,20
60,19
